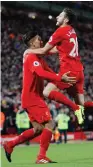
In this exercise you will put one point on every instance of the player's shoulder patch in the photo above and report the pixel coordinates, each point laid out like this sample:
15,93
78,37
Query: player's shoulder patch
36,63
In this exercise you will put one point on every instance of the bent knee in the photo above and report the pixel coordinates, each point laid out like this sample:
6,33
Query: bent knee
50,87
46,93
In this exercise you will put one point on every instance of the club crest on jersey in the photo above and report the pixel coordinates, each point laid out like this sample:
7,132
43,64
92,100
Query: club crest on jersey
36,63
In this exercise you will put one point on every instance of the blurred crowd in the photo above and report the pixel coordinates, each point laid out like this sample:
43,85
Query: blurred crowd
78,5
13,26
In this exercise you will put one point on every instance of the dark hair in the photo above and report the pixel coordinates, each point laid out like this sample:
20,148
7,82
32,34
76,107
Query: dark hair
70,15
26,38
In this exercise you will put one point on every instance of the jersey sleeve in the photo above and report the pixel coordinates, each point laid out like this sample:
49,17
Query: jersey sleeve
56,37
35,66
46,67
33,63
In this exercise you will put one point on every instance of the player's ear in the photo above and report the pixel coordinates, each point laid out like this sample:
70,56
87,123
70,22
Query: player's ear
66,20
31,42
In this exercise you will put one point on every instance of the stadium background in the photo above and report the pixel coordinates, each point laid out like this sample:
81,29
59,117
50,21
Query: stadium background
16,19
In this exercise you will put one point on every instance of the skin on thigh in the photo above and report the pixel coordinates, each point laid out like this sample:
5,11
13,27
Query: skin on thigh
37,126
49,88
50,125
78,98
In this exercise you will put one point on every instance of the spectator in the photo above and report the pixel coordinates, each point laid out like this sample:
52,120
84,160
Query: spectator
62,119
22,121
13,48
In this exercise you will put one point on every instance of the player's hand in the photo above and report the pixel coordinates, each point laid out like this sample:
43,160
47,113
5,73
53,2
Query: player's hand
67,79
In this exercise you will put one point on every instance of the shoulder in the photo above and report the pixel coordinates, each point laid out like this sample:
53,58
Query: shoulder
28,52
29,56
59,31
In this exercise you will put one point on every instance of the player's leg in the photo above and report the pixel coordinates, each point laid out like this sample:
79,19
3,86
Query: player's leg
76,94
79,96
88,104
79,99
60,137
23,137
45,137
49,88
51,91
65,136
26,135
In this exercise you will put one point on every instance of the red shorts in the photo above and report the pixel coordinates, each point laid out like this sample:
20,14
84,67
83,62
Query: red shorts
39,114
78,87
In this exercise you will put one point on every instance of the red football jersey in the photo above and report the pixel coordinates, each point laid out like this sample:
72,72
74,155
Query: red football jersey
33,85
35,70
65,39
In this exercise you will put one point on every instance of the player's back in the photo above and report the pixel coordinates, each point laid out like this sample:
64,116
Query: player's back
68,44
68,49
32,84
65,39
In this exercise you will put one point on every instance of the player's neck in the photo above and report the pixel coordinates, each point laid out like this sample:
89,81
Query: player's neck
64,25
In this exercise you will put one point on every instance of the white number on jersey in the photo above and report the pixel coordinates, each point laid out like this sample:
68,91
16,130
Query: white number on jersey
74,51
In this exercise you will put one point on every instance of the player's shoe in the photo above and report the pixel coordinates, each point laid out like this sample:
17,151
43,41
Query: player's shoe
44,160
80,114
8,150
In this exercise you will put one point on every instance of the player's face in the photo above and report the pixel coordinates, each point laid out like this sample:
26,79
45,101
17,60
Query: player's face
60,19
37,42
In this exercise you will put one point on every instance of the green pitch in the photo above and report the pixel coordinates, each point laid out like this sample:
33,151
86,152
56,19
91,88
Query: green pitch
67,155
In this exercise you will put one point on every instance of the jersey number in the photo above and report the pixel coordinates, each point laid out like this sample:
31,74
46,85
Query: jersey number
74,51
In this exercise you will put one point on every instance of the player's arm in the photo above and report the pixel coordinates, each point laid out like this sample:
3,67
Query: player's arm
49,49
35,66
47,75
53,50
64,78
54,39
53,76
40,51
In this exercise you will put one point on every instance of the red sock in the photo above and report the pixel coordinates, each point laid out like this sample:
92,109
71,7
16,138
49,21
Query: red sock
26,135
59,97
88,104
45,141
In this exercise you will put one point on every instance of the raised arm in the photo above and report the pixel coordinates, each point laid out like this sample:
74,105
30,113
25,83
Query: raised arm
53,41
40,51
53,50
